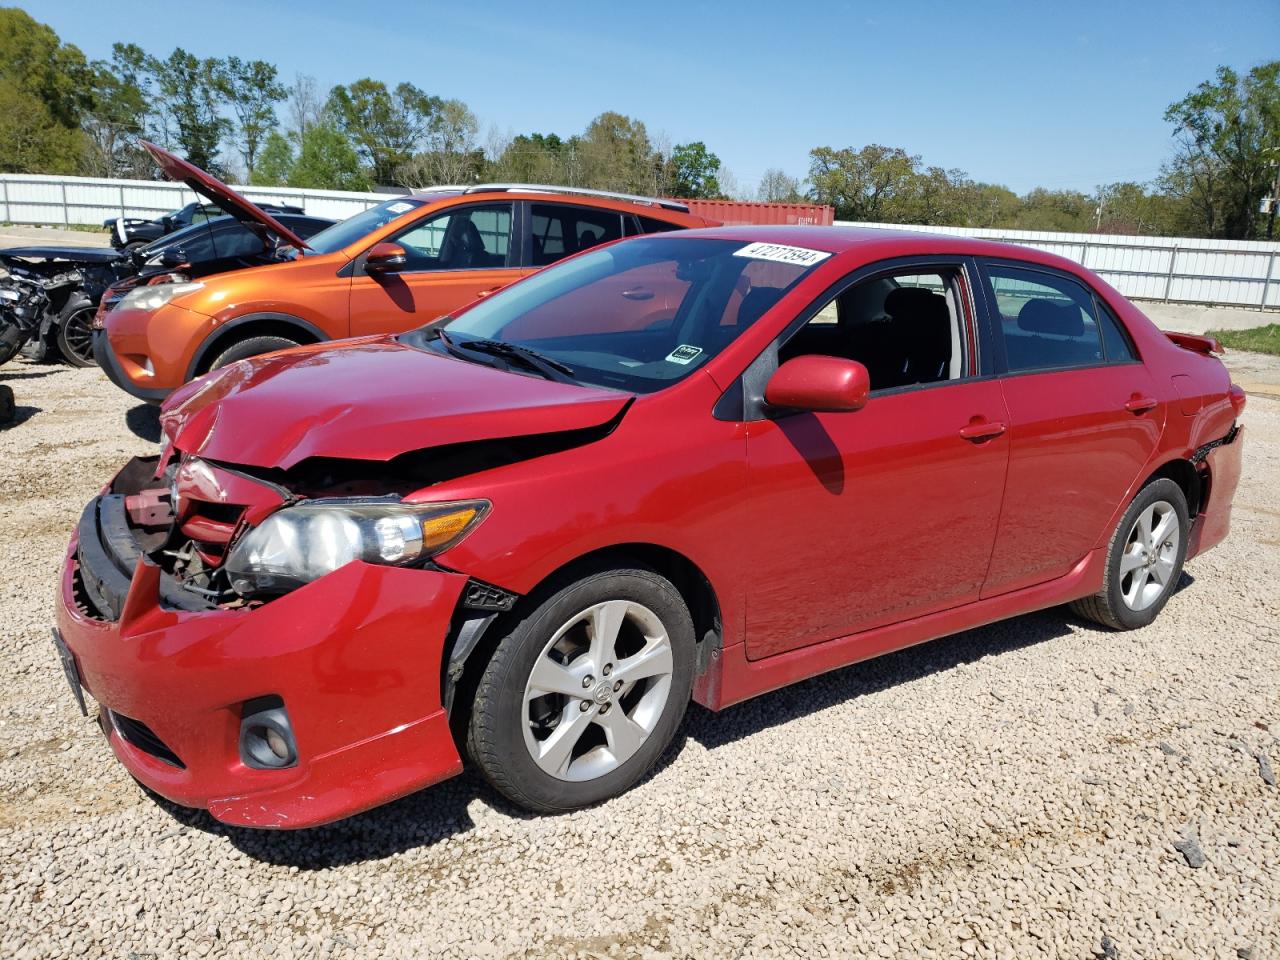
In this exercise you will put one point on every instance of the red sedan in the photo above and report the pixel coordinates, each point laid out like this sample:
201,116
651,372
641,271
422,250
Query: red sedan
699,465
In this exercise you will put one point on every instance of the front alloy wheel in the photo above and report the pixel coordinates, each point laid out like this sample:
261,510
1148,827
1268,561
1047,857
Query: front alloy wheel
585,692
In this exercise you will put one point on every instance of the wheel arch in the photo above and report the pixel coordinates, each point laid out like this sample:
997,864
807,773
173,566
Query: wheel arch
474,635
1188,478
261,324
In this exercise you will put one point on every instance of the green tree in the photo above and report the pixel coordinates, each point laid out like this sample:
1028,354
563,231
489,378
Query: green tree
776,186
1228,132
693,171
386,126
868,184
251,89
615,154
43,89
188,101
452,154
275,162
327,161
1064,211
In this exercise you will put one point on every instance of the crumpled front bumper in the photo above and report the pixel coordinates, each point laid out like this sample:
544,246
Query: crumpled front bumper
355,656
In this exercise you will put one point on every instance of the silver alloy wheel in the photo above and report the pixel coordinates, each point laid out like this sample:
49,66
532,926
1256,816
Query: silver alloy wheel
597,690
1150,556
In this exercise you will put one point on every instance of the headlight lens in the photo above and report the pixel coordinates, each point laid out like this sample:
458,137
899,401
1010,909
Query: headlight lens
302,543
155,296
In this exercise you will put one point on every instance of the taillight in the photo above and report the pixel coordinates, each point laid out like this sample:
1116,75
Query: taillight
1237,397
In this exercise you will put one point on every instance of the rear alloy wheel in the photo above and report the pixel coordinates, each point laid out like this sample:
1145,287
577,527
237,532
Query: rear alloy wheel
75,337
585,693
1144,559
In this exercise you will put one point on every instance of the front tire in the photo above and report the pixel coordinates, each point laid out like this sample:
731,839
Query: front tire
1144,559
252,347
75,336
585,691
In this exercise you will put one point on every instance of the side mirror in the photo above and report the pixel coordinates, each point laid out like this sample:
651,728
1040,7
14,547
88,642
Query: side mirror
385,258
819,384
173,257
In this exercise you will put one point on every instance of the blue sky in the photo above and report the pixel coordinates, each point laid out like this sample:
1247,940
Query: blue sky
1032,93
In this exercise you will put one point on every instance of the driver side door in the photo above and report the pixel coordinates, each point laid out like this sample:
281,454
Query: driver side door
868,518
453,257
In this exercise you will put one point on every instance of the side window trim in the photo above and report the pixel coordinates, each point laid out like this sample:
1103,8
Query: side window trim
744,399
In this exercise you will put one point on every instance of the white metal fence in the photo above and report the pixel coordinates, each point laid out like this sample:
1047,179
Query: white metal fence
1240,273
67,201
1229,272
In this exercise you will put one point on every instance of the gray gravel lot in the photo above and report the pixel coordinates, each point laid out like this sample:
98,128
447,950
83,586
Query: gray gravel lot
1039,787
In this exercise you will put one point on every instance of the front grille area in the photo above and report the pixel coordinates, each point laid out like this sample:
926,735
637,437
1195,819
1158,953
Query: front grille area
138,734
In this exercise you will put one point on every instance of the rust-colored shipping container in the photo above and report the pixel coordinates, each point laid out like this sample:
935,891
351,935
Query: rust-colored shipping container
736,212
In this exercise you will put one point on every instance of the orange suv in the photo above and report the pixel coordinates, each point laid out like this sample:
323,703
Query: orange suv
398,265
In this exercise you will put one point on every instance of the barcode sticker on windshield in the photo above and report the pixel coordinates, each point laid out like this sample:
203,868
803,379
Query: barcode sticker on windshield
781,253
400,207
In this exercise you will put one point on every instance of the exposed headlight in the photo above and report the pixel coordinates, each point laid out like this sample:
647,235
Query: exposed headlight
298,544
155,296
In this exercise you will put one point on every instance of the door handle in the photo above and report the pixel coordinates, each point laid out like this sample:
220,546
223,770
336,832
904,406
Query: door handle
1138,404
638,293
979,430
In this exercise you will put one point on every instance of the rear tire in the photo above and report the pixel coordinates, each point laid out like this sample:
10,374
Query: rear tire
252,347
1144,559
585,691
11,341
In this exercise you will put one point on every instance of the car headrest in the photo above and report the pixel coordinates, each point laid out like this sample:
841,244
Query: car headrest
1048,316
755,303
917,305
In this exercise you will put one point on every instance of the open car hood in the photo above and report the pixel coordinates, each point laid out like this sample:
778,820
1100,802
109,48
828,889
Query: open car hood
370,399
214,190
69,254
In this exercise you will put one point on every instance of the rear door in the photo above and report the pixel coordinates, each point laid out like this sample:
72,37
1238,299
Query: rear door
454,256
1084,420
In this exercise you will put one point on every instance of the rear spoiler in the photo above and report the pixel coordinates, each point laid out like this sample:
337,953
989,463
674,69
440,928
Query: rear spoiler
1195,343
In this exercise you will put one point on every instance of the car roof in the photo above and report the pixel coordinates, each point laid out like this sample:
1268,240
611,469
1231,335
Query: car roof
875,243
566,198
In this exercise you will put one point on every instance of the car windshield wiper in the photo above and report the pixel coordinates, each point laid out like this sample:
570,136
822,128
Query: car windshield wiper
450,346
539,363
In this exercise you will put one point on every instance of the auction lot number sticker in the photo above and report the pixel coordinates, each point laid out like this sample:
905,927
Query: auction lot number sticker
782,253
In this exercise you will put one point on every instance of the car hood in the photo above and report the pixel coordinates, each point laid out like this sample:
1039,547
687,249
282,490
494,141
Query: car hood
70,254
369,399
175,168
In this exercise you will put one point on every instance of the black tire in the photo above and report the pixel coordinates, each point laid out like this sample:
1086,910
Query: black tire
496,731
1108,606
75,335
11,341
252,347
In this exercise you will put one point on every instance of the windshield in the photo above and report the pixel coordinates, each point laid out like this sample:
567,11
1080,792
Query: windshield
638,315
348,231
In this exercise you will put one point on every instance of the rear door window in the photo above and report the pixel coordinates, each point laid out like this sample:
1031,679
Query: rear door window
557,230
1047,320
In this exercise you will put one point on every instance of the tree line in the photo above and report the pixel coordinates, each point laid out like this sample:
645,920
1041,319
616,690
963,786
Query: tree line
62,113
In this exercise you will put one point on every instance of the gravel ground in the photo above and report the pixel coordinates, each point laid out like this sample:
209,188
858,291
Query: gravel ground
1034,788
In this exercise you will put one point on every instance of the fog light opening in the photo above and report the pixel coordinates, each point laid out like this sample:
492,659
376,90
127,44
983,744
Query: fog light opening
266,735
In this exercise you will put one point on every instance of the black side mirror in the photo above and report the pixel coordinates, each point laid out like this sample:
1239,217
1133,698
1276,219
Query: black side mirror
173,257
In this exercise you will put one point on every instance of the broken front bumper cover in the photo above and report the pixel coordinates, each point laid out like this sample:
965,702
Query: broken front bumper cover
355,657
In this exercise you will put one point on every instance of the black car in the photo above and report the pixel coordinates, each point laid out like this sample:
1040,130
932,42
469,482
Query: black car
128,232
54,292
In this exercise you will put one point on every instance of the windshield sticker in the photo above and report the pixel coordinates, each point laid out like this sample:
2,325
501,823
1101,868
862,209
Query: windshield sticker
685,353
781,253
400,207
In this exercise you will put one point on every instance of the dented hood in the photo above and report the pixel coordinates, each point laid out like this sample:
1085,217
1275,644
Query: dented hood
369,399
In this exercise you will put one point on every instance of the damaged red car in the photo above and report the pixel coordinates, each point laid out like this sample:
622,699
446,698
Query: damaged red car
697,465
